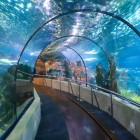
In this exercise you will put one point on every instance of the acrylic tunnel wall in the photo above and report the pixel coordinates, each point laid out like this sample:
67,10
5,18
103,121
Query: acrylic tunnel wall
89,40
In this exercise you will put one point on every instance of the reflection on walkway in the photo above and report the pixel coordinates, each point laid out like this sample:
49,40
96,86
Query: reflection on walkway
63,120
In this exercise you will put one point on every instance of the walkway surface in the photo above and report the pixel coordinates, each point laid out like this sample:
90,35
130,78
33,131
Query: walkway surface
63,120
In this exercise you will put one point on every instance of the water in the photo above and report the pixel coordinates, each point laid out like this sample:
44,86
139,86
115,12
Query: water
95,36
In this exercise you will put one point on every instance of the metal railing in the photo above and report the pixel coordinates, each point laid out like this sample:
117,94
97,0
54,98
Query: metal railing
93,89
79,88
93,99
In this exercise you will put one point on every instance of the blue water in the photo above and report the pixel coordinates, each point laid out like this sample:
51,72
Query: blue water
20,19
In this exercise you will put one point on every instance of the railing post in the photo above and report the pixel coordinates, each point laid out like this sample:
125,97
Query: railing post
96,99
91,96
46,81
79,91
86,80
51,82
69,86
15,101
111,105
60,84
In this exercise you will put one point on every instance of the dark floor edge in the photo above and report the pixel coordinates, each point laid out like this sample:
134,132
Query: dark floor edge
106,130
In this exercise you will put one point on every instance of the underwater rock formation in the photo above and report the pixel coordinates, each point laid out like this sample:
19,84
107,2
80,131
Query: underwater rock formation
67,70
112,81
101,76
107,79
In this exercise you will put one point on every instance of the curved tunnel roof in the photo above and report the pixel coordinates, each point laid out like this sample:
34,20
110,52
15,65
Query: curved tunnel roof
20,19
94,29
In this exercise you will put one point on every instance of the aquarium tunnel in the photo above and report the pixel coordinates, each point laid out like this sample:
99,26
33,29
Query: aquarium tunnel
88,50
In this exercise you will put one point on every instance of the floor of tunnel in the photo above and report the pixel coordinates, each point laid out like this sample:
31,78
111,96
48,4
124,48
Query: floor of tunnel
63,120
52,121
111,125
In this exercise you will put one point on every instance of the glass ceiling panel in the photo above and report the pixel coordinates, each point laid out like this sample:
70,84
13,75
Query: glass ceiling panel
99,27
109,33
19,19
67,53
22,18
89,51
127,9
52,55
55,64
74,67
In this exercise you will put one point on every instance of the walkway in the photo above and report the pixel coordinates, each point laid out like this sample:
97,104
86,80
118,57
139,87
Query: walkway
64,120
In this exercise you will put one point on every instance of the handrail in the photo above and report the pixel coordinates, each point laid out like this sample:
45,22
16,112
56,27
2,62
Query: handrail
95,97
71,87
24,73
94,86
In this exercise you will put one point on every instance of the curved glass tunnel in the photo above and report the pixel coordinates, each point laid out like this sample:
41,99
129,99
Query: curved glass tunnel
91,41
82,59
